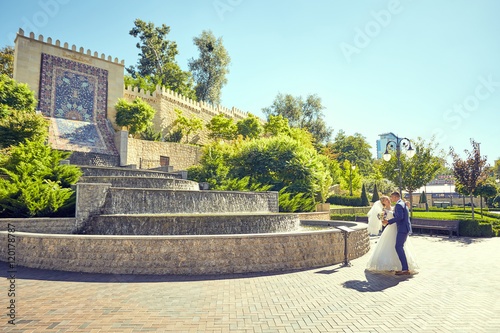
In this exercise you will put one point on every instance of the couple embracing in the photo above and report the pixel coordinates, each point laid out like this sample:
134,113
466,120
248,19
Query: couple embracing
393,251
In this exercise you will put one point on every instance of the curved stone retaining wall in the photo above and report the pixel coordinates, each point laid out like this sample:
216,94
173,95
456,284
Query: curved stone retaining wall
201,224
143,182
218,254
153,201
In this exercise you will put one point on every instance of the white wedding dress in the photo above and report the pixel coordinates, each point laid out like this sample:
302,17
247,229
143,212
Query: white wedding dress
384,256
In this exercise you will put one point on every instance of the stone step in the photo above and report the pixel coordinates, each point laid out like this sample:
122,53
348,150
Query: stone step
192,224
143,182
116,171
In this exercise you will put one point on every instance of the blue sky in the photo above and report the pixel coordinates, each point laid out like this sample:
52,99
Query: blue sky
412,67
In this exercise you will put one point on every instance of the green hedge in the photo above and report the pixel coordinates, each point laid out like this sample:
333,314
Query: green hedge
477,228
345,200
343,217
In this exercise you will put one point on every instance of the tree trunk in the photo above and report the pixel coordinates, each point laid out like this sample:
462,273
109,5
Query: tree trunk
481,198
463,196
411,204
472,205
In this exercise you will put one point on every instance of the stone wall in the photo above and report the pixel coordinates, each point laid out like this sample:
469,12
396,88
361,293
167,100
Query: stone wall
314,216
199,224
41,225
219,254
146,154
96,159
152,201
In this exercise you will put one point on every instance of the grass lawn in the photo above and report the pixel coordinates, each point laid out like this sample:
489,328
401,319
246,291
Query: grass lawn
453,216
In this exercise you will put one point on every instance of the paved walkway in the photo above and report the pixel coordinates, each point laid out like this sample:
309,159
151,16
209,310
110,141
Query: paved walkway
457,290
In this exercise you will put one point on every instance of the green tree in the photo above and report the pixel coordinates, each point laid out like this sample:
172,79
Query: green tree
469,173
187,125
279,161
18,119
19,126
354,148
496,169
7,61
14,95
306,114
221,127
376,196
350,175
460,189
250,127
35,183
416,171
364,197
277,125
157,63
211,67
486,190
136,116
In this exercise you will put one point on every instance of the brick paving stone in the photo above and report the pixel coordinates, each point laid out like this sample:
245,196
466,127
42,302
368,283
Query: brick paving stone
455,291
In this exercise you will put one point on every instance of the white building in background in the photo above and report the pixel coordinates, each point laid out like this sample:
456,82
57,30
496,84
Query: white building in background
382,142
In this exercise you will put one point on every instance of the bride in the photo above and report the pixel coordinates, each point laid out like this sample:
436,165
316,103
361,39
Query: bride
384,257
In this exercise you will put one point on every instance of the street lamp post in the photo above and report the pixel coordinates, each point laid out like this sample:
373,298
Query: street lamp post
410,152
352,167
451,196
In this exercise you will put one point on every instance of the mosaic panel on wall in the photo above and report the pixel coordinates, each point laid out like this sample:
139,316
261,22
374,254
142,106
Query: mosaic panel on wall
73,96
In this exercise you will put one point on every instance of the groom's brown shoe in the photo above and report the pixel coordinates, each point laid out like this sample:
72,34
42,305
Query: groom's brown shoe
403,273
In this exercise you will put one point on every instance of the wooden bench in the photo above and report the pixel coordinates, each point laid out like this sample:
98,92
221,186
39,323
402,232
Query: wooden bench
427,224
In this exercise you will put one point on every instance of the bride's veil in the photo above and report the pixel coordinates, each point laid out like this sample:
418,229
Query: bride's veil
374,223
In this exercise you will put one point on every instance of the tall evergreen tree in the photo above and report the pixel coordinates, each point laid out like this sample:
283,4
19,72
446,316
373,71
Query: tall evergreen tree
364,197
375,196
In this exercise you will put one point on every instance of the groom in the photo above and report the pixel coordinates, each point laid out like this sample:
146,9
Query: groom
402,220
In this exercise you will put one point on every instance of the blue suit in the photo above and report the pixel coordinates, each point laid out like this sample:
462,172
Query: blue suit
402,220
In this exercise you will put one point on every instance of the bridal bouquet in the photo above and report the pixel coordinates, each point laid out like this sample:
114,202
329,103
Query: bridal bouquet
382,216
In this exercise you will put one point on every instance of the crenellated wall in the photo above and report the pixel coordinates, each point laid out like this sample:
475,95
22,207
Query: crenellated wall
165,102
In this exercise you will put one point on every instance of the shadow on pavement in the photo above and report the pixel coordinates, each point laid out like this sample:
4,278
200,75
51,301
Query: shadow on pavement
376,281
27,273
454,239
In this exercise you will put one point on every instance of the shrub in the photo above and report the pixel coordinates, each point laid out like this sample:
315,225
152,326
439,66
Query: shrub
174,136
150,134
288,202
36,185
476,228
345,200
343,217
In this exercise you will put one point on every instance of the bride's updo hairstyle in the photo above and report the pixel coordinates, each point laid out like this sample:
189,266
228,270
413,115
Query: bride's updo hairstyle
383,199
